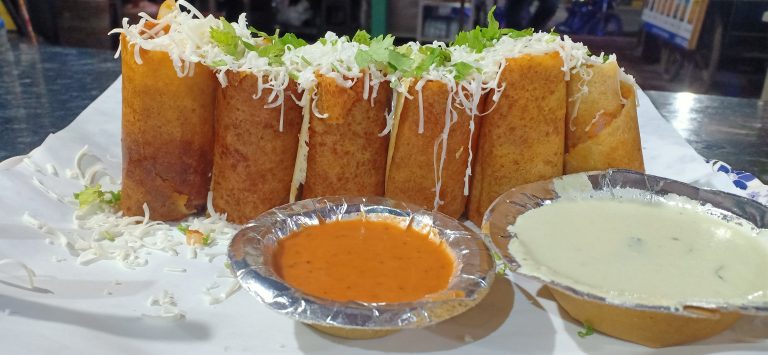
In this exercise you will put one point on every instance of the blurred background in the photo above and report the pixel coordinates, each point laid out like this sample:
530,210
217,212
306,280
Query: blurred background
717,47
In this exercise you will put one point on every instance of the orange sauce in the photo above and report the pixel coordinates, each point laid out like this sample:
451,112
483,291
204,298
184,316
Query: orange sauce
366,261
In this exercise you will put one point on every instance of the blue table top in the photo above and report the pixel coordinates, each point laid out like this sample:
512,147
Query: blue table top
43,88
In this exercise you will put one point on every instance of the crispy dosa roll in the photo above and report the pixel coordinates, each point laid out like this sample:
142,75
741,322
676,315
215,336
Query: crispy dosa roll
602,131
346,155
167,135
254,148
522,139
418,161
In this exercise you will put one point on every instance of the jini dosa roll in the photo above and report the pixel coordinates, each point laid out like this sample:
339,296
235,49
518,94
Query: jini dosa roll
602,131
522,139
254,149
346,155
418,163
167,135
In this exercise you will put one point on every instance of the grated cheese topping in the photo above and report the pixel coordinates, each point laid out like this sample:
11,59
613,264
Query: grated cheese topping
29,273
185,42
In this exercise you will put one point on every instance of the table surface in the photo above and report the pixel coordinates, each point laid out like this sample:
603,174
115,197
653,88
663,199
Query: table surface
43,89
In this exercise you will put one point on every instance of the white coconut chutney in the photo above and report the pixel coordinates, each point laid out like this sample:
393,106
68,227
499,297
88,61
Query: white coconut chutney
633,251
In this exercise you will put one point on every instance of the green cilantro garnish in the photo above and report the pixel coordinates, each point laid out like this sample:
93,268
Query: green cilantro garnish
481,38
462,70
227,39
587,331
248,46
362,37
108,236
257,32
399,62
431,56
382,53
93,194
206,239
502,266
275,47
605,58
219,63
183,228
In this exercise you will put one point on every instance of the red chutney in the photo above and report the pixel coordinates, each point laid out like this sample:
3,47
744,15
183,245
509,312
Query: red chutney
366,261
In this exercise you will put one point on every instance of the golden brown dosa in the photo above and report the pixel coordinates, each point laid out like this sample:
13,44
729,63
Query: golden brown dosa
167,135
253,159
522,139
414,163
612,140
601,103
346,154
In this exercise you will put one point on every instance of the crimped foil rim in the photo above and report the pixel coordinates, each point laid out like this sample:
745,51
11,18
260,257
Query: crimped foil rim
250,249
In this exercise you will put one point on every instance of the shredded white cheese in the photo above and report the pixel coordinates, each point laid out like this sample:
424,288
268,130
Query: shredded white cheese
29,273
165,306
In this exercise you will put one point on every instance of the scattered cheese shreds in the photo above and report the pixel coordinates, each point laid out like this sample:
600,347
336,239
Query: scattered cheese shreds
32,165
175,269
27,270
168,307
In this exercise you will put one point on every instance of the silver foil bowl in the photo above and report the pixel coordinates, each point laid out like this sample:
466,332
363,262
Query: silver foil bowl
647,324
251,250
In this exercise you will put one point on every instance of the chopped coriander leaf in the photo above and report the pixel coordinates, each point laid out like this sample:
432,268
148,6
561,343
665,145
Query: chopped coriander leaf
605,58
362,58
108,236
383,54
183,228
219,63
227,39
275,48
481,38
113,197
362,37
462,70
94,194
380,47
290,39
587,331
248,46
502,269
472,39
432,56
89,195
257,32
400,62
206,240
517,34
